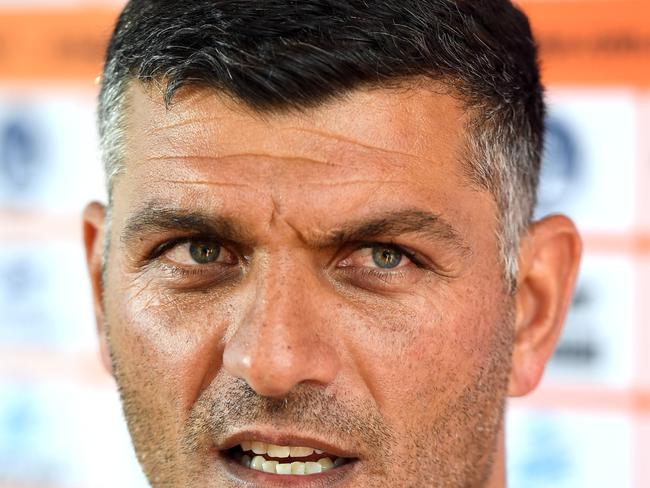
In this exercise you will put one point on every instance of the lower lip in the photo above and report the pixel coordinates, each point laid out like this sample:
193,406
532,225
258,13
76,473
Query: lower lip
331,477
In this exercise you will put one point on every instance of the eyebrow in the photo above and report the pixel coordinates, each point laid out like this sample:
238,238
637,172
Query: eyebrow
392,224
385,225
156,219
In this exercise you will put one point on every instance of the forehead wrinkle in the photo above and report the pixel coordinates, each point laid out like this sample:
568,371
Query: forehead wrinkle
189,121
354,142
364,182
224,184
229,157
277,214
319,183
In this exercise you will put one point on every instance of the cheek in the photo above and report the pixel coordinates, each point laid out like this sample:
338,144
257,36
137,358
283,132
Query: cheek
423,351
167,346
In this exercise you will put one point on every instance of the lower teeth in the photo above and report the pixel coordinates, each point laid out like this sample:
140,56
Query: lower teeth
260,463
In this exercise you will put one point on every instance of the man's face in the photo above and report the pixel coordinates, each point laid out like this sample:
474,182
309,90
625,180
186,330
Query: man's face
282,285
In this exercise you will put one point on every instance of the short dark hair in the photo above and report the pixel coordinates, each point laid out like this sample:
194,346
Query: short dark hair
280,55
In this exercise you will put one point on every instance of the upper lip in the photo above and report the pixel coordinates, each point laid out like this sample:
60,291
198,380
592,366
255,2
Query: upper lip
284,439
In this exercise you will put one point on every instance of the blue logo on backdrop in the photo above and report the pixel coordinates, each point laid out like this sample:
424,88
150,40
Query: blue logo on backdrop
560,171
20,161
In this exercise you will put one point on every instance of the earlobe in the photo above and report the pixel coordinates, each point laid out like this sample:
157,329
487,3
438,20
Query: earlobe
94,217
549,259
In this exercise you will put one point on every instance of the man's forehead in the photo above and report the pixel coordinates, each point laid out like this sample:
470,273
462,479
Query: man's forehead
413,125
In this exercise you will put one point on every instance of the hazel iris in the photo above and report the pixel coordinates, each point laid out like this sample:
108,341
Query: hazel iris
204,252
386,257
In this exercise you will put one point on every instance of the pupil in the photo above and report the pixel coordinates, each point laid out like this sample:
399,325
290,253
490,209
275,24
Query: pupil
386,257
204,252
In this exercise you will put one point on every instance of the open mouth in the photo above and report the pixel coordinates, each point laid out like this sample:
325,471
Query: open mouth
284,460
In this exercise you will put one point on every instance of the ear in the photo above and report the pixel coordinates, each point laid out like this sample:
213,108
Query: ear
548,265
94,219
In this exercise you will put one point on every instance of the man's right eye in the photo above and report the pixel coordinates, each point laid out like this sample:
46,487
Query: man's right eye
199,252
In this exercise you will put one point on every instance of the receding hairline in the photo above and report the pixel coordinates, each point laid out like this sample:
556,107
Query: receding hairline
157,90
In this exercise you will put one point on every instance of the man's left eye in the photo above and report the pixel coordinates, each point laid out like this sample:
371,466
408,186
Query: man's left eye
198,252
378,256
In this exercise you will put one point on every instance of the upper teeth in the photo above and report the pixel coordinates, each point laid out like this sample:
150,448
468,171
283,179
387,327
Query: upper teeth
261,463
275,451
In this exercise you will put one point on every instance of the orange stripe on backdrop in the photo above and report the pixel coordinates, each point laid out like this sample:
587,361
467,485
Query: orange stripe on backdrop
42,364
582,41
586,398
593,42
53,44
632,243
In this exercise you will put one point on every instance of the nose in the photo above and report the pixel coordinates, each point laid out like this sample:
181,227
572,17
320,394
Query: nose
283,337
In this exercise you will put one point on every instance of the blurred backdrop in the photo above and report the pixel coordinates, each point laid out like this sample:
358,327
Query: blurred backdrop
588,425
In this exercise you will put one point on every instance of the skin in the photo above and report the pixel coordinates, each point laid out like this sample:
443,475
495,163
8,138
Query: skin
295,335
